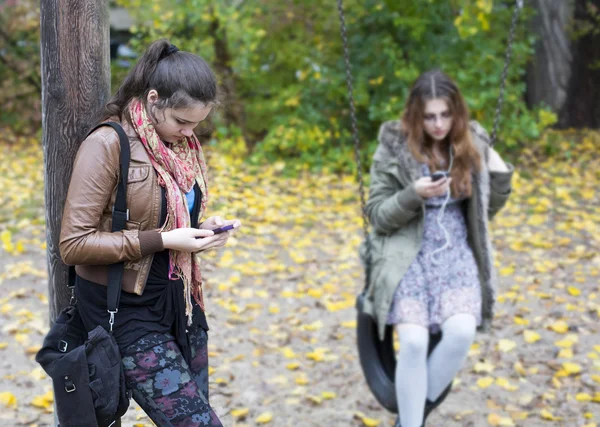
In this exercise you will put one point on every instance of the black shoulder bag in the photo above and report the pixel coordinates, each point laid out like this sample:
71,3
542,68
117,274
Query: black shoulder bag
86,369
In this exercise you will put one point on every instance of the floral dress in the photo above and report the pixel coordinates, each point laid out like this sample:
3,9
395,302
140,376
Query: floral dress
441,284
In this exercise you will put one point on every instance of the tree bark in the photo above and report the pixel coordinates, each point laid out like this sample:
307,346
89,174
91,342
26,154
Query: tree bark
582,107
75,67
549,72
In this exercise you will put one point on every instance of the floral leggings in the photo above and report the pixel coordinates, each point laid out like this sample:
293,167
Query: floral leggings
172,393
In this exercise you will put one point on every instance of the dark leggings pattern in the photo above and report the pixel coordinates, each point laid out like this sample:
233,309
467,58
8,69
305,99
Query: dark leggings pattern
172,393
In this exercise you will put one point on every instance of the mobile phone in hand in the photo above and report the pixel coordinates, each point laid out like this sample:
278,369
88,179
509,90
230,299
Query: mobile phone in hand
223,229
439,175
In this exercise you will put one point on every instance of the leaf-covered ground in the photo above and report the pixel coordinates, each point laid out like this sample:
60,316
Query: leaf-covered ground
280,299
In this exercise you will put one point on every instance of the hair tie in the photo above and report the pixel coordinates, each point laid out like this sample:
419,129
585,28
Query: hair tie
170,50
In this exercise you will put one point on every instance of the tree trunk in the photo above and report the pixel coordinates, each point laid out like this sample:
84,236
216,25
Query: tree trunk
75,85
549,72
564,72
582,107
233,110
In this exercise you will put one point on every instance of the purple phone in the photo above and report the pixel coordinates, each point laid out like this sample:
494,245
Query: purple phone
223,229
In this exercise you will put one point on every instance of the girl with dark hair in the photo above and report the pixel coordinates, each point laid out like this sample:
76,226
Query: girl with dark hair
435,183
160,327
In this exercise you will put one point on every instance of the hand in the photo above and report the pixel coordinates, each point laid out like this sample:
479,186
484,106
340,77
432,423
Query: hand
216,222
426,188
188,239
495,162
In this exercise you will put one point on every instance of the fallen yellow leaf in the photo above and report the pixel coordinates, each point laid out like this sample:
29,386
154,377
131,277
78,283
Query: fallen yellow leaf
241,412
560,327
520,321
531,336
327,395
583,397
45,401
520,368
565,353
8,399
505,345
370,422
350,324
571,368
264,418
564,343
302,380
497,420
547,415
483,367
485,382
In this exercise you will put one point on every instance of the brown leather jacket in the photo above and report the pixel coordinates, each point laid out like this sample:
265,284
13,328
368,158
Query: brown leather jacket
86,240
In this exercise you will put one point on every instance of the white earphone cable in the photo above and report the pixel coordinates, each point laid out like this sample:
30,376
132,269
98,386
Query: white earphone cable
440,216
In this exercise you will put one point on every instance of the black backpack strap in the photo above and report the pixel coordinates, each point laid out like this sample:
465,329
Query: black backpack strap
120,215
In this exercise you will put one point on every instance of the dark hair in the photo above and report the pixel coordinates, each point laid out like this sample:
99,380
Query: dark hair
180,78
435,84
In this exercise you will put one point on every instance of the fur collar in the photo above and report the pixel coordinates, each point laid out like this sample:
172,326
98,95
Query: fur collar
394,149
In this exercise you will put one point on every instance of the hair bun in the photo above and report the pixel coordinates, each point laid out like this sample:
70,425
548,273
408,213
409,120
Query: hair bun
172,49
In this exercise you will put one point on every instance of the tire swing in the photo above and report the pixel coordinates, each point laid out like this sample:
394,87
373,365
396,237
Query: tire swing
377,358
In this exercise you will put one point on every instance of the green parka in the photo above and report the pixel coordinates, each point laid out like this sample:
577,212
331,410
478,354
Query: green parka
396,213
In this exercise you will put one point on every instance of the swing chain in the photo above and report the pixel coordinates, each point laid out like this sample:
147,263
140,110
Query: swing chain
513,27
356,142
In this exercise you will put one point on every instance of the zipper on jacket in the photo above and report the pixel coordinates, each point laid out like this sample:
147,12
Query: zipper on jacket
160,206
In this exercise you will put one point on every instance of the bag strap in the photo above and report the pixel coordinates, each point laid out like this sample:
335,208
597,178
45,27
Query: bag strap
120,215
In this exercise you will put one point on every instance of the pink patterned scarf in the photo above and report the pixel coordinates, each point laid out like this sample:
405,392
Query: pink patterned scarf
178,169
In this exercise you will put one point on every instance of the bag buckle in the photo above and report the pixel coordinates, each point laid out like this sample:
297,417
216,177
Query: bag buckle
73,299
111,320
62,346
69,385
121,212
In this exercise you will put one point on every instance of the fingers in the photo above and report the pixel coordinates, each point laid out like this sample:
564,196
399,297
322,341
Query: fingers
200,232
236,222
437,188
215,241
441,183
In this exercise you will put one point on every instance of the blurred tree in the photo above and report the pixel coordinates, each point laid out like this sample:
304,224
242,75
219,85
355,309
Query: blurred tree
20,84
282,76
582,107
549,72
281,71
565,69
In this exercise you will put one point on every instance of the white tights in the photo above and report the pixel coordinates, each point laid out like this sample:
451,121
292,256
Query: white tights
419,377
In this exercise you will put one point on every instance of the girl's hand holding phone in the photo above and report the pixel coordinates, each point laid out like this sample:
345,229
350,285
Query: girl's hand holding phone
426,187
221,228
200,239
219,225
